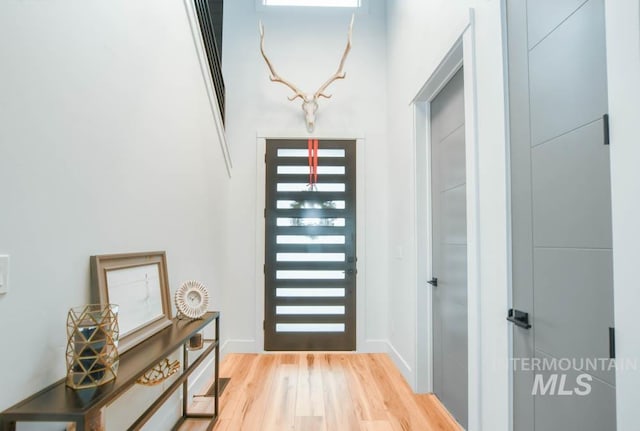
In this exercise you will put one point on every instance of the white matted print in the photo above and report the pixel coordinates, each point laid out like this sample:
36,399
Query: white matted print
138,284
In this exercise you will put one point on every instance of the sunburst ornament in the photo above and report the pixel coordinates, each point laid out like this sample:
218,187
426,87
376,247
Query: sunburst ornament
192,300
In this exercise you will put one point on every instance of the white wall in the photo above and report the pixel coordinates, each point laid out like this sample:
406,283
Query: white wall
623,69
305,45
420,34
107,144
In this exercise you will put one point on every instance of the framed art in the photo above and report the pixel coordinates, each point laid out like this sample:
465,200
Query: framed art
138,284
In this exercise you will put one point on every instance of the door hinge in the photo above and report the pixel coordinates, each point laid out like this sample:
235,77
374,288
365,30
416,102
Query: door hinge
612,342
265,158
605,128
265,213
264,268
263,325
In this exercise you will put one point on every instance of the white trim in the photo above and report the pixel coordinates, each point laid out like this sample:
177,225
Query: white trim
261,151
208,82
449,65
473,226
423,247
362,9
362,343
361,245
462,52
201,377
505,50
399,361
313,3
239,346
374,346
283,134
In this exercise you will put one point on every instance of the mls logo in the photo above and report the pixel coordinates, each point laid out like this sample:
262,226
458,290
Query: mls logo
557,385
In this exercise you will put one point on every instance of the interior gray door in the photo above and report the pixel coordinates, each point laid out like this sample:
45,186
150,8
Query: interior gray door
561,216
448,191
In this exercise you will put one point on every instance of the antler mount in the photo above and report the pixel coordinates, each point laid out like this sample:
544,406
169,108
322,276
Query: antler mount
309,101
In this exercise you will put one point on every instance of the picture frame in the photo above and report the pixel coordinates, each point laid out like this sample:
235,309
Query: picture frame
138,284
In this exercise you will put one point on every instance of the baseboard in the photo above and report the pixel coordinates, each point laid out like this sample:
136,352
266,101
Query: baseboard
373,346
251,346
367,346
402,365
239,346
203,377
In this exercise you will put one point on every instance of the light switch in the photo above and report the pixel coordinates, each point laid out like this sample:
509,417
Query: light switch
4,274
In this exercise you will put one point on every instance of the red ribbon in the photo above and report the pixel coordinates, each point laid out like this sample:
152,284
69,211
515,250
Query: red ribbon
312,146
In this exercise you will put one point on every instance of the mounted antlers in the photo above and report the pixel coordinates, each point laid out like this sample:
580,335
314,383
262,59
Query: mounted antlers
309,101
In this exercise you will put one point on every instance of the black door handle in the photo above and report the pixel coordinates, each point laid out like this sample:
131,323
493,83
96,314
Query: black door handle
519,318
612,343
433,282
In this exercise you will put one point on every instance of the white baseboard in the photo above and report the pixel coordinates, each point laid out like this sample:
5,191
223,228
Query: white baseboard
251,346
373,346
239,346
402,365
201,378
368,346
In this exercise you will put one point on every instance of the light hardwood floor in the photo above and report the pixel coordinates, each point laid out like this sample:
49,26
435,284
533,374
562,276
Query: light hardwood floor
321,392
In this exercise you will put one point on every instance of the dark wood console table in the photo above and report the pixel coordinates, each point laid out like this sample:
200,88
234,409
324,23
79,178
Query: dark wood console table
58,403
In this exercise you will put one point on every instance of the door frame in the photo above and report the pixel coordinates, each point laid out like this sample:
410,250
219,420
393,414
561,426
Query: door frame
362,344
461,52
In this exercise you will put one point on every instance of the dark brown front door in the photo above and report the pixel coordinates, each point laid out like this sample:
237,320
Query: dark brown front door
310,246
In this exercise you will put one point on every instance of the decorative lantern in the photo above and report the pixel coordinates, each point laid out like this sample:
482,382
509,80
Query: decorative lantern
92,345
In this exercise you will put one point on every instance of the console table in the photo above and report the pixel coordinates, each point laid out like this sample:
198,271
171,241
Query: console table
58,403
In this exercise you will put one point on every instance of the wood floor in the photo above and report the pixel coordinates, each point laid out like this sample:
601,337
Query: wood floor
321,392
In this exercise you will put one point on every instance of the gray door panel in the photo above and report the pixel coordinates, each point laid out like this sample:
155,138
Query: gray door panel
568,75
572,288
451,297
545,15
453,159
450,368
447,109
454,290
572,190
454,215
561,213
593,412
521,207
523,407
455,399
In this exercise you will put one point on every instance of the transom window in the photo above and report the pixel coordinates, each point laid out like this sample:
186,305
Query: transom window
317,3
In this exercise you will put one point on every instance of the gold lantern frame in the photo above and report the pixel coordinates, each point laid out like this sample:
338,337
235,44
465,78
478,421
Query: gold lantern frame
92,345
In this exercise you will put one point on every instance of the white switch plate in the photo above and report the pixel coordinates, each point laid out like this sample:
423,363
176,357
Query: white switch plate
4,274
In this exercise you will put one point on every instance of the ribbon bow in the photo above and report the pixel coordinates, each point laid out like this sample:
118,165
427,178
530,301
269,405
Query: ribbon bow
312,146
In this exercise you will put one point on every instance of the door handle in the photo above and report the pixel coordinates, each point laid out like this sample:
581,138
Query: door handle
433,282
519,318
612,343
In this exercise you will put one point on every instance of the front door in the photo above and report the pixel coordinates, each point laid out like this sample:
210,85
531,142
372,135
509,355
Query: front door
449,210
310,245
561,216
